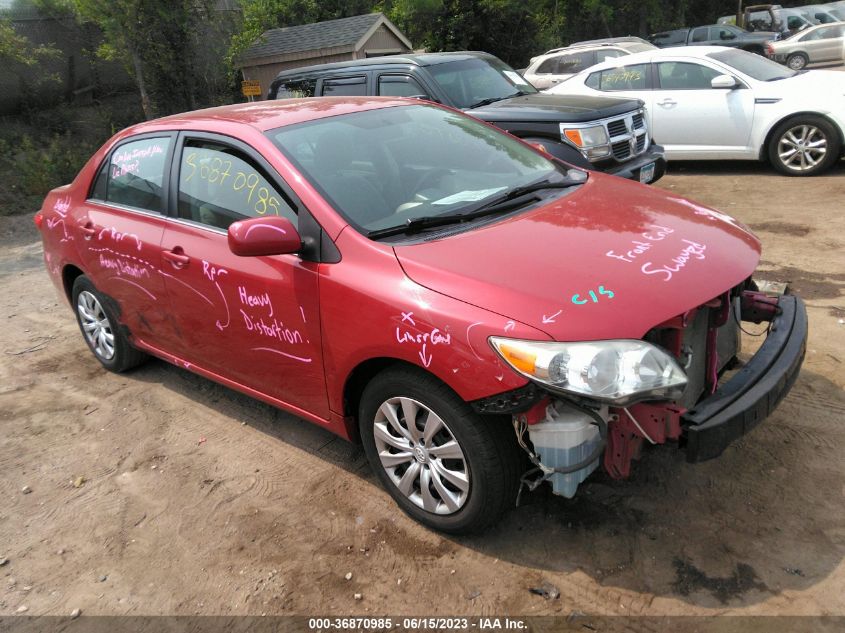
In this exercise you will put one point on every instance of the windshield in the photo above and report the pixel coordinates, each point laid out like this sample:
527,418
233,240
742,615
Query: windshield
470,82
755,66
385,167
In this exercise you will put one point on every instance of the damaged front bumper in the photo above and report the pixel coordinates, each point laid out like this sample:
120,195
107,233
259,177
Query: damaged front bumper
753,393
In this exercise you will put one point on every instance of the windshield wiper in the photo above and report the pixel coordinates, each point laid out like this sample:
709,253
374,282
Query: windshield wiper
488,101
499,204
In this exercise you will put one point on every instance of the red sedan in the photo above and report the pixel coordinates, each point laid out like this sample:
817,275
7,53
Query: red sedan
478,314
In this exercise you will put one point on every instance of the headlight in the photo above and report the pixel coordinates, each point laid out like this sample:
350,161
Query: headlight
618,372
585,136
592,141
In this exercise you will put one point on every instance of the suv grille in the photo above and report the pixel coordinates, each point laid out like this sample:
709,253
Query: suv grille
628,135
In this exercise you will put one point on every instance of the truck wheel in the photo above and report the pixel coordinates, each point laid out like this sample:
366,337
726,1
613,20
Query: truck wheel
797,61
446,466
100,328
804,146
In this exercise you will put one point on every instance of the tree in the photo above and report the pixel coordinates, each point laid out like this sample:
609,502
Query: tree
155,39
17,53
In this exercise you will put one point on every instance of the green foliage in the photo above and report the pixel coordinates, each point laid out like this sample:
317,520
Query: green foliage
33,167
16,51
157,41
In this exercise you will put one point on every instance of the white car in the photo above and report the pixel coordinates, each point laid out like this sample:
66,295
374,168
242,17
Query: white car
712,102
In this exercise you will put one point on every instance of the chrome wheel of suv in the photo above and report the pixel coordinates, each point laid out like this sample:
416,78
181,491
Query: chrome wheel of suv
421,455
95,325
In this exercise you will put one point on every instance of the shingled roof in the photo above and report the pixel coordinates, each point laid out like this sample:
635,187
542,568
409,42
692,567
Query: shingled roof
344,32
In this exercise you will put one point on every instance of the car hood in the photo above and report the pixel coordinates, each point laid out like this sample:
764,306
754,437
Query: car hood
543,106
815,85
612,259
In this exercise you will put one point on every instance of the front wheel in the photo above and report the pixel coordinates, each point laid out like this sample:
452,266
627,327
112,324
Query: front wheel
804,146
446,466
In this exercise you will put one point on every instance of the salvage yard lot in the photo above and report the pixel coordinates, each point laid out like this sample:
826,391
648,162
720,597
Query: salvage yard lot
159,492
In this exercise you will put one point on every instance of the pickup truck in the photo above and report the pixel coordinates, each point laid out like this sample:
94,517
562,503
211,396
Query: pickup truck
714,35
607,134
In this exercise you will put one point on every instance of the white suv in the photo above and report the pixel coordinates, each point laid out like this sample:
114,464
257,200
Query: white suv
558,64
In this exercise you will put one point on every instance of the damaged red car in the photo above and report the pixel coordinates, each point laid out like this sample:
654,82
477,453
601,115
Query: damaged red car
478,314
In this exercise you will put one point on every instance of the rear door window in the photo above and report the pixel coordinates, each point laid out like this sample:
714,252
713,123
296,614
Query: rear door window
633,77
608,53
575,62
345,87
134,174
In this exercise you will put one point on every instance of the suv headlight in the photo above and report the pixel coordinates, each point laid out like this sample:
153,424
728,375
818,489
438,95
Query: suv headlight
592,141
617,372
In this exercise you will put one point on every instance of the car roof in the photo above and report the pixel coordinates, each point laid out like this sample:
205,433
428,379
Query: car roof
421,59
619,43
267,115
693,52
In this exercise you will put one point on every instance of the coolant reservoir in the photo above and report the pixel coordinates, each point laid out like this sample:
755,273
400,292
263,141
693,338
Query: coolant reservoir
566,436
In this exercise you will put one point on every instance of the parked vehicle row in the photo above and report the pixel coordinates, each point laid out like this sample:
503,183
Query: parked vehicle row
477,314
603,132
719,103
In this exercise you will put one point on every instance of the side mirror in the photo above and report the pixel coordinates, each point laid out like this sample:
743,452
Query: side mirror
724,82
263,236
728,36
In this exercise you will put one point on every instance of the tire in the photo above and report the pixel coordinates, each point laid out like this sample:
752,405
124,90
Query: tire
100,328
484,463
797,61
805,145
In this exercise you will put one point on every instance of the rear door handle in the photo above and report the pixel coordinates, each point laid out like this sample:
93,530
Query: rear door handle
88,229
176,257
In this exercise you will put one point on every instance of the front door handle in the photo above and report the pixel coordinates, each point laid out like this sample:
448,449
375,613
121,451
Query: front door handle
667,103
176,257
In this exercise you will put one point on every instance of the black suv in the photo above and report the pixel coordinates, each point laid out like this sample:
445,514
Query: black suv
603,133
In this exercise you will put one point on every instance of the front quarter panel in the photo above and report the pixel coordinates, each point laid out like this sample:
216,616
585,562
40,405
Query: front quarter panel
371,309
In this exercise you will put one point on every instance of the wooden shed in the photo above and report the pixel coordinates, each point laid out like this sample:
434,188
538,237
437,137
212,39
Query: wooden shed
339,40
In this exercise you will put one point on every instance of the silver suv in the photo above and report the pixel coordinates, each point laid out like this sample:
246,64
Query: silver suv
558,64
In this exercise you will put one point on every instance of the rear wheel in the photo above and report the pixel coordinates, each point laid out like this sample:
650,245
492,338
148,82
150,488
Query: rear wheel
446,466
100,329
797,61
804,146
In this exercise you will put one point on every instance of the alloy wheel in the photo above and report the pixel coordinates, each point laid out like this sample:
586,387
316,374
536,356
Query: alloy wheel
421,456
802,147
95,325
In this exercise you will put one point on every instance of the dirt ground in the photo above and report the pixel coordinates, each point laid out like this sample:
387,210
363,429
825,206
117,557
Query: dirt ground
196,500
